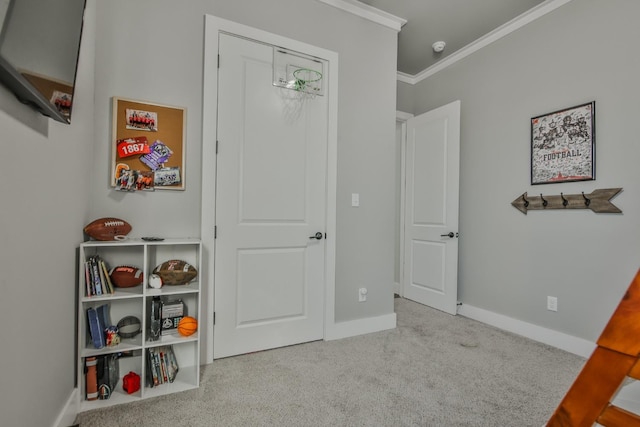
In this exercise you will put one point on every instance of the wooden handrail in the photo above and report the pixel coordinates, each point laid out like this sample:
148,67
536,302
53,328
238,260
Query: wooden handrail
615,358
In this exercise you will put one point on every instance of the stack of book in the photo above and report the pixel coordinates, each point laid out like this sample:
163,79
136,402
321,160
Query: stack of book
96,277
162,365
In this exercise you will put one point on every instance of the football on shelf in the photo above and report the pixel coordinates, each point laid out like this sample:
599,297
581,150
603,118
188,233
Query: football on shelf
126,276
107,229
176,272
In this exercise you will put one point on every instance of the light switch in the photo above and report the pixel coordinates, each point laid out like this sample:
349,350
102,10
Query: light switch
355,200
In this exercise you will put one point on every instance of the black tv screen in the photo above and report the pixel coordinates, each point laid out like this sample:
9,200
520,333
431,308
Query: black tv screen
39,47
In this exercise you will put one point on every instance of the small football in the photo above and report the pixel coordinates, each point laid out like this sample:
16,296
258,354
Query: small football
126,276
176,272
107,228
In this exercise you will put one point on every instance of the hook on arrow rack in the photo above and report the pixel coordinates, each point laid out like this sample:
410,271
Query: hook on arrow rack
598,201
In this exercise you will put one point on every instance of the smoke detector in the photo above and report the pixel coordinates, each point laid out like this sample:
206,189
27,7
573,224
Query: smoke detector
438,46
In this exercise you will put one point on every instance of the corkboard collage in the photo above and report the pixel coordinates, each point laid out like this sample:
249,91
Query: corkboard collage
148,146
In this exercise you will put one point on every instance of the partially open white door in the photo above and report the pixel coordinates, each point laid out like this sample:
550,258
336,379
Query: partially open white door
432,171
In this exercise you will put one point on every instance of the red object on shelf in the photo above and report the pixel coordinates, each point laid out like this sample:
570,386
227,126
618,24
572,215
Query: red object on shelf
131,382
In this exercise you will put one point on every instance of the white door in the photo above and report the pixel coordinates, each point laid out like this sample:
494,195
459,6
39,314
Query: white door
270,200
431,208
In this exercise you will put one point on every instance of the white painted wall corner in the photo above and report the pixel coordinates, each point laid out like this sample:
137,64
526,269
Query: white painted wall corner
70,411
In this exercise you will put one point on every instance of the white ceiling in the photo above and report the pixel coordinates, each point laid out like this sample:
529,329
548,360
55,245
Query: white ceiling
456,22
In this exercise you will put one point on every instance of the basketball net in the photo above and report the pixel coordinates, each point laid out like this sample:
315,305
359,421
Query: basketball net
303,87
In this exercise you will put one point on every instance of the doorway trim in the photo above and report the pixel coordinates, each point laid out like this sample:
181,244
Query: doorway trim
213,26
402,117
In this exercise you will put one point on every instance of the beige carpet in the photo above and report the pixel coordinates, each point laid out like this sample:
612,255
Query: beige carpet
432,370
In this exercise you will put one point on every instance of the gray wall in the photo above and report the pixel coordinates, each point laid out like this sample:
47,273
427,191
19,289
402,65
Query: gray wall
44,183
405,97
168,70
509,262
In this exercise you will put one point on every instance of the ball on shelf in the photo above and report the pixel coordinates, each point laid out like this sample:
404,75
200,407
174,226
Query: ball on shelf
107,229
187,326
126,276
155,281
129,327
176,272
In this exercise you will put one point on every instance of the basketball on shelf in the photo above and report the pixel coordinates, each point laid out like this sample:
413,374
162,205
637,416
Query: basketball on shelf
187,326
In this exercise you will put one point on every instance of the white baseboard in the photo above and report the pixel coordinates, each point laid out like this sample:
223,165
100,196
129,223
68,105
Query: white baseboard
69,412
628,397
397,289
360,327
575,345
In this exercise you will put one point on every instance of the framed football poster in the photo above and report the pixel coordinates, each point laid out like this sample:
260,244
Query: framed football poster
563,145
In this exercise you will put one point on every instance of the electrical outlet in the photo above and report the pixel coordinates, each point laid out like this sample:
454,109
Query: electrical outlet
552,303
362,294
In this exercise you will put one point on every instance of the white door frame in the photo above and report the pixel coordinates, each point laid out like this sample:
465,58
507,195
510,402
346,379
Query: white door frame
213,26
402,117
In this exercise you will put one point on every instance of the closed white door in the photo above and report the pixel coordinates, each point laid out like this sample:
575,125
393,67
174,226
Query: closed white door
270,206
431,208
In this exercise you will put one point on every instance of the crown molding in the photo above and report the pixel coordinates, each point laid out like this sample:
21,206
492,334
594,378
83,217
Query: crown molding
506,29
406,78
368,12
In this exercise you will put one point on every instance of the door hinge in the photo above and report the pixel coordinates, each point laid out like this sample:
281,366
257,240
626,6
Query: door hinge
214,318
215,231
217,146
218,60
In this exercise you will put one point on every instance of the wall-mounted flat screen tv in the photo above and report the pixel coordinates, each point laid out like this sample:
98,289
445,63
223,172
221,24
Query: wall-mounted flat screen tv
39,47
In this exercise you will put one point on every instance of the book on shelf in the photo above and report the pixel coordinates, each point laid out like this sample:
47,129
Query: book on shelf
103,281
157,375
172,365
162,365
87,279
96,276
98,320
95,328
105,269
98,281
149,371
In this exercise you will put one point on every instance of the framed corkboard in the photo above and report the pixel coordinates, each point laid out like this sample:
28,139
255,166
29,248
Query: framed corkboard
148,146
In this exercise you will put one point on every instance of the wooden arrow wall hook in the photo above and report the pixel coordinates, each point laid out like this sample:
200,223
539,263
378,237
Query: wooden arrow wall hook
597,201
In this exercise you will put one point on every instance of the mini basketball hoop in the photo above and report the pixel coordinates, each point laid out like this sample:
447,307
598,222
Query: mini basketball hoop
299,78
302,74
306,80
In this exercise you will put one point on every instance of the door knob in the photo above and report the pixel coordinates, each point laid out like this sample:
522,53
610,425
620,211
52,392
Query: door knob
318,236
450,235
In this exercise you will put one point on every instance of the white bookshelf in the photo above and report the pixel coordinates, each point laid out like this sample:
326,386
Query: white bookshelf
136,301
